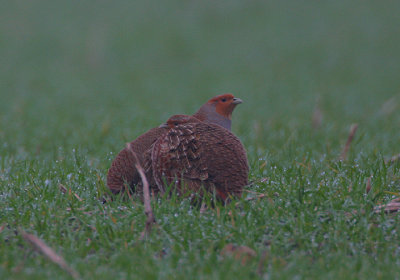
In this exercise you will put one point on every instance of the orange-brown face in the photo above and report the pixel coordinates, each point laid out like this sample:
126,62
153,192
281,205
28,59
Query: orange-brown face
179,119
225,104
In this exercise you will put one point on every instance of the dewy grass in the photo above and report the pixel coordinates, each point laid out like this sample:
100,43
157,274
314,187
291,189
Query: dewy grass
78,82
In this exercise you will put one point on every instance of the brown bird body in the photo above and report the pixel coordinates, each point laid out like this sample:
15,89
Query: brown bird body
122,172
194,156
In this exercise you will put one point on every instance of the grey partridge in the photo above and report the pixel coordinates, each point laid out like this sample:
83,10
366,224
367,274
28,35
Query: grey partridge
217,110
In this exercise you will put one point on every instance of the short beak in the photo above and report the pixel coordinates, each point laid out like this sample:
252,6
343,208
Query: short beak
237,101
164,125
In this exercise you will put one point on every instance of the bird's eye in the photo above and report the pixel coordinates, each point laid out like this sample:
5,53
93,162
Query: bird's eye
223,99
176,124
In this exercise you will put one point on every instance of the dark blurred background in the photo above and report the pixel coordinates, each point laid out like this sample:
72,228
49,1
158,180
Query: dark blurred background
98,73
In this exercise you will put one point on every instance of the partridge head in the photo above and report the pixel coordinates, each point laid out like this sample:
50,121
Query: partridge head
176,120
218,110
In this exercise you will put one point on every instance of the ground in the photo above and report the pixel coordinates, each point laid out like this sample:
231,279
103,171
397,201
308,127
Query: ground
79,80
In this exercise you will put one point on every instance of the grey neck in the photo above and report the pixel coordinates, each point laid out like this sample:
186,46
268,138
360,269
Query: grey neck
214,117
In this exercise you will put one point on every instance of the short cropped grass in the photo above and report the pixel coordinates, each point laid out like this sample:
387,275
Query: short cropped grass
80,79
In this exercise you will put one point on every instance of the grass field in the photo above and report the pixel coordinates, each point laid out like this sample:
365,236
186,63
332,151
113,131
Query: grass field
80,79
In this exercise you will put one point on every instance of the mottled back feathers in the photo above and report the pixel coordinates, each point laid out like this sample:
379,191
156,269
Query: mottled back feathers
193,154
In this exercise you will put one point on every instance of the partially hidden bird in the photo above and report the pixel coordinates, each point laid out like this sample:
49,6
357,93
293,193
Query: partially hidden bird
123,175
195,157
